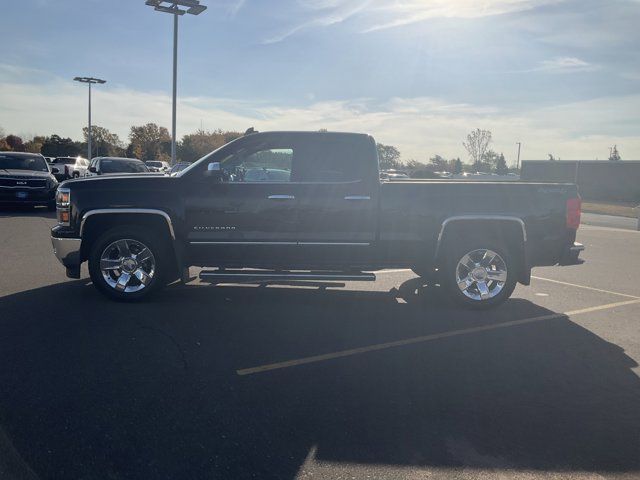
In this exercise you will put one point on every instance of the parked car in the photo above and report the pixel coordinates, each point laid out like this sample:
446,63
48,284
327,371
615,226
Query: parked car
329,218
70,167
26,179
116,165
178,167
157,166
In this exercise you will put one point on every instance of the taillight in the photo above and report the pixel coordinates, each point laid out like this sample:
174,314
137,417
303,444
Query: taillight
574,206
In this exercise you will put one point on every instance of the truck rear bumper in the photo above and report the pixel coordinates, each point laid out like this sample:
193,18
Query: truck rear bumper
67,250
571,255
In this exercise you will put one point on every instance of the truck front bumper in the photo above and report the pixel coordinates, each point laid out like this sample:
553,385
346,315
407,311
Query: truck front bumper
67,250
571,255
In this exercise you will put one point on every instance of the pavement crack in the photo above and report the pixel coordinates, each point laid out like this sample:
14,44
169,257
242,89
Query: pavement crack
183,357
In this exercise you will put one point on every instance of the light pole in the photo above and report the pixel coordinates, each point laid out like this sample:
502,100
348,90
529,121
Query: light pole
89,80
193,7
518,161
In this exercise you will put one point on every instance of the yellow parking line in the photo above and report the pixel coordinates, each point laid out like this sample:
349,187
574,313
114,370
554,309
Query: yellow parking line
586,288
425,338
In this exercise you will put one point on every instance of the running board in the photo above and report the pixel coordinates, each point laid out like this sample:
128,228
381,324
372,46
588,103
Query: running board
276,276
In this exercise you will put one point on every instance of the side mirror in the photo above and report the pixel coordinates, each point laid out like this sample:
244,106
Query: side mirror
55,170
214,170
93,170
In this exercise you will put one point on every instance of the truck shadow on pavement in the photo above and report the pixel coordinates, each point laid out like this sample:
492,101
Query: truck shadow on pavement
95,389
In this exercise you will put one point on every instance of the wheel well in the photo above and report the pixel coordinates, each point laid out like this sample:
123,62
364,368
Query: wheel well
507,232
96,225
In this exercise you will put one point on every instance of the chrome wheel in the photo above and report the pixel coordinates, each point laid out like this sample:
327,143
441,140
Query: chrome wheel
481,274
127,265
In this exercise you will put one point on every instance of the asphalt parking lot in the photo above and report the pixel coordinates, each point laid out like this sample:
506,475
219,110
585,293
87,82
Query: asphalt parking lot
373,380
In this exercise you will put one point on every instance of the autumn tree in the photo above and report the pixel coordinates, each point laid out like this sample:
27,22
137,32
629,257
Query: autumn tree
389,156
103,142
150,141
476,145
34,145
195,145
15,143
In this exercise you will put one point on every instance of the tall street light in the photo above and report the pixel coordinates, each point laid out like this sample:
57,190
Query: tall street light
89,80
518,161
173,7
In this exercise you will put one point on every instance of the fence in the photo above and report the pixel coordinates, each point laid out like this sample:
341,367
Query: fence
597,180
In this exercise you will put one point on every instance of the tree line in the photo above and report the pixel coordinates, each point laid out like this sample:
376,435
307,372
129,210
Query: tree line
482,159
146,142
153,142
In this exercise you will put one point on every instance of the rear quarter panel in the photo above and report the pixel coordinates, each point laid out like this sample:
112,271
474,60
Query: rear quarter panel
412,214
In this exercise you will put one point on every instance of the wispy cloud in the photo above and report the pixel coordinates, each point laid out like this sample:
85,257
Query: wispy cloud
384,14
418,126
565,65
321,14
411,11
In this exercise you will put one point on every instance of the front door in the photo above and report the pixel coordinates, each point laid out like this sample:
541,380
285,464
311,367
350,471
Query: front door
247,215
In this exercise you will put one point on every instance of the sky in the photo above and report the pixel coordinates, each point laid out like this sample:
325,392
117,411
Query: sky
560,76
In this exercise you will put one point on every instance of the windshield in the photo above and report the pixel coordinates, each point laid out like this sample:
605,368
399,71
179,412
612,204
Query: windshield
21,162
205,158
154,164
122,166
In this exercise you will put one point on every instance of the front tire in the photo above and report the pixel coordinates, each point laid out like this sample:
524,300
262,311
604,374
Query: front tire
129,263
479,274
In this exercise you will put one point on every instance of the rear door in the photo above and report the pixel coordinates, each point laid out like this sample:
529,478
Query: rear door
338,214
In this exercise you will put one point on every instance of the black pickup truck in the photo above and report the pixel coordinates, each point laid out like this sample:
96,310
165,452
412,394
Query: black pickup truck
282,206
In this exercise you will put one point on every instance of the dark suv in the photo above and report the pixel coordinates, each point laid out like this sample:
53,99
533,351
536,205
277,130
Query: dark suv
25,179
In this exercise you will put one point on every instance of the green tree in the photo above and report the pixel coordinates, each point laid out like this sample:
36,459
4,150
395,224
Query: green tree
501,165
456,166
56,146
415,165
438,163
150,141
389,156
103,142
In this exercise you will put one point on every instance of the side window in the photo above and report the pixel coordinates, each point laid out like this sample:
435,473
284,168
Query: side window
332,160
262,165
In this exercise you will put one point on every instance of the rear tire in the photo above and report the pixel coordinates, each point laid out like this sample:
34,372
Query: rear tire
129,263
479,274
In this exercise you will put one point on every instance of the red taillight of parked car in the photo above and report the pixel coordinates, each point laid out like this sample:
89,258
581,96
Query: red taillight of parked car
574,207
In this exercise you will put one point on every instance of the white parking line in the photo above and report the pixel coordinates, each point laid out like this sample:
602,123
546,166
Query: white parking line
425,338
586,287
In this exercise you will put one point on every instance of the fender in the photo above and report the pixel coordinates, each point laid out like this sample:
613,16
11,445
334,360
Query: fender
143,211
526,270
177,248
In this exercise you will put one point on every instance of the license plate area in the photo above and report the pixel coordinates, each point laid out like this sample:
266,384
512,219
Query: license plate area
22,195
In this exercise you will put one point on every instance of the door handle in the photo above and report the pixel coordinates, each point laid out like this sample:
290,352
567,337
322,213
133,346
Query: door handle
357,197
281,197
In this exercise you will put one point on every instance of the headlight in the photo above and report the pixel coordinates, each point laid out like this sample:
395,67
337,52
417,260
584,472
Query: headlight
63,206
